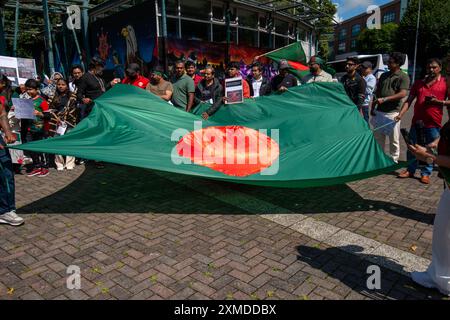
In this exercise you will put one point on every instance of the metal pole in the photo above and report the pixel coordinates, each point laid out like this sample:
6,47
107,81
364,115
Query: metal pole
65,48
2,35
86,28
77,44
417,40
164,33
16,28
48,38
163,18
227,22
58,55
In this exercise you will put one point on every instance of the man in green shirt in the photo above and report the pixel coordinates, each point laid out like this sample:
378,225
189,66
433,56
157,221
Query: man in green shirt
183,88
392,88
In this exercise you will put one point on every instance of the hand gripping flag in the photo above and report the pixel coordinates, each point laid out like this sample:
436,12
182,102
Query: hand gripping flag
311,135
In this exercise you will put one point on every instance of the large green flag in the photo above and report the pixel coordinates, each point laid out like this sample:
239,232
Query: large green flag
311,135
294,55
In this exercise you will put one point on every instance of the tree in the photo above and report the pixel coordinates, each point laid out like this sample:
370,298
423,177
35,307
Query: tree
434,40
373,41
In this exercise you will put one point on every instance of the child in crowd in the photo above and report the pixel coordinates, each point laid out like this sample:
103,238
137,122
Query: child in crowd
34,130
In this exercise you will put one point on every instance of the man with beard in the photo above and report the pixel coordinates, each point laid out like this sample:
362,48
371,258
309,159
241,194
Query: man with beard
183,88
431,94
134,76
354,84
158,86
209,90
191,71
316,73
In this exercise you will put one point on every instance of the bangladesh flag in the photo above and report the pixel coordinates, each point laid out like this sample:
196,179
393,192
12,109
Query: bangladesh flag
311,135
294,55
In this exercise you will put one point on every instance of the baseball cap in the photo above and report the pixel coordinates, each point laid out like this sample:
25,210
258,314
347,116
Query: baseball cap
367,64
315,59
283,65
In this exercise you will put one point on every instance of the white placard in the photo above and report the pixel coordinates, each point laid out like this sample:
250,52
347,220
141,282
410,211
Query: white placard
234,90
18,70
23,108
61,129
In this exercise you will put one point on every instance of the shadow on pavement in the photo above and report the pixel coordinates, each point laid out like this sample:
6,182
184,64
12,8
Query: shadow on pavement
122,189
350,266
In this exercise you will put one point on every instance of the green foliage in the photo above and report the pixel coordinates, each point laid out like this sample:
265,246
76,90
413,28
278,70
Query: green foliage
324,24
434,40
377,40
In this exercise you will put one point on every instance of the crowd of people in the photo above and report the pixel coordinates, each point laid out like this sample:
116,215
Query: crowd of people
382,103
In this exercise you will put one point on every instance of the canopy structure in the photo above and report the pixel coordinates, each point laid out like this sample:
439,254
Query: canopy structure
312,135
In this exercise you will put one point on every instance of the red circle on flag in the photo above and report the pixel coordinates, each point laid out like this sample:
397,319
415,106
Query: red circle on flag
232,150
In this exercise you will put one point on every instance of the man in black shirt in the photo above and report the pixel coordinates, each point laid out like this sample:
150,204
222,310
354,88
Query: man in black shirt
209,90
354,84
91,85
284,79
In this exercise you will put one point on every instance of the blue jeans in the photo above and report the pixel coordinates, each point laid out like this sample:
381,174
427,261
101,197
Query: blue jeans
430,134
364,110
7,186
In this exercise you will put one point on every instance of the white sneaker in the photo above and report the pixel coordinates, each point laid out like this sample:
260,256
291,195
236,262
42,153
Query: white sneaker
11,218
423,278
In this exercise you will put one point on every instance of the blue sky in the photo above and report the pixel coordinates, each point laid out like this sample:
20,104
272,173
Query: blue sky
350,8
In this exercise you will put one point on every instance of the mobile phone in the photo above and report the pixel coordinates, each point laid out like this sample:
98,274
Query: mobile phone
405,135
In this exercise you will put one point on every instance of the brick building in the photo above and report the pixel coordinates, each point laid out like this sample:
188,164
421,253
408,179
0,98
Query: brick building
347,32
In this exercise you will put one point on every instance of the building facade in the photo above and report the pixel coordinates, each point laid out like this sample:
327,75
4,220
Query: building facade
123,31
347,32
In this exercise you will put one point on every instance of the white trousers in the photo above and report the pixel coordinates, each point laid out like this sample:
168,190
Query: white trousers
392,132
69,162
439,269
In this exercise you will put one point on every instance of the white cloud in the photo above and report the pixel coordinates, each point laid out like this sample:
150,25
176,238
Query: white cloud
348,5
337,17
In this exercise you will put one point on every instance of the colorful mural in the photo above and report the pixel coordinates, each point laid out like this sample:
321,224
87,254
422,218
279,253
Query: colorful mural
126,37
204,53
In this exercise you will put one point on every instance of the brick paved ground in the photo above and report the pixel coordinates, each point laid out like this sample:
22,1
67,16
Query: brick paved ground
135,234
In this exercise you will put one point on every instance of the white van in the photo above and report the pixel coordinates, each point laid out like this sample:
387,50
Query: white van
379,62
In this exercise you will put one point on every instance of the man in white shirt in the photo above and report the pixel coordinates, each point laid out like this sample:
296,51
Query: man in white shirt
371,83
316,73
259,85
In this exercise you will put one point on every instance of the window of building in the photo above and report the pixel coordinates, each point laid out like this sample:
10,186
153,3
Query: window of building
353,44
191,30
264,41
342,34
172,27
220,34
171,7
341,48
198,9
280,41
356,29
389,17
281,27
218,11
248,18
248,37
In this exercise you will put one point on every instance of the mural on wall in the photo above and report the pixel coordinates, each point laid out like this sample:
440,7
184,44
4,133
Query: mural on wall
127,37
204,53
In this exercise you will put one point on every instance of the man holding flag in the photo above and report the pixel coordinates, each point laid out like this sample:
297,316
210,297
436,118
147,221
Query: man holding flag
316,73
